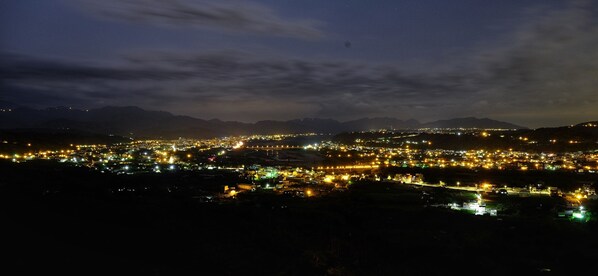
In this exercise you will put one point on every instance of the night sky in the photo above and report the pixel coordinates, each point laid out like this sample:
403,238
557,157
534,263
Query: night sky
533,63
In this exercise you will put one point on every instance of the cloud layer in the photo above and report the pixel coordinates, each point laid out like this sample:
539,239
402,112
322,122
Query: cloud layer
250,84
223,15
545,73
547,69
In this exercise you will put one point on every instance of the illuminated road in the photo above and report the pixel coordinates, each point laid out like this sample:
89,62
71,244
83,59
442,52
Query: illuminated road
462,188
510,191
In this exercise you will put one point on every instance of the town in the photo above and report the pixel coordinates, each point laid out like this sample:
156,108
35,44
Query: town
315,165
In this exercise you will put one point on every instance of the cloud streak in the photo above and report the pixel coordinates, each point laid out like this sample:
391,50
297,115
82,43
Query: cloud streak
223,15
233,79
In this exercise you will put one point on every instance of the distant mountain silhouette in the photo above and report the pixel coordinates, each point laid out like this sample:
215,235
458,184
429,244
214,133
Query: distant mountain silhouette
471,122
136,122
584,132
6,105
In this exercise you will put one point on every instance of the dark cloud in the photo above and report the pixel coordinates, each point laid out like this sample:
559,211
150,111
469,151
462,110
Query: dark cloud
316,86
223,15
14,67
547,70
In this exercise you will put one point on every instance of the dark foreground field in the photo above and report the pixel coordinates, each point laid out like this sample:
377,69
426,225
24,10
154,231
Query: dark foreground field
375,229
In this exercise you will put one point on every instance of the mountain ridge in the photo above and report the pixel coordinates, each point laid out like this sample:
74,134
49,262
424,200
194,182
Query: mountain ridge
132,121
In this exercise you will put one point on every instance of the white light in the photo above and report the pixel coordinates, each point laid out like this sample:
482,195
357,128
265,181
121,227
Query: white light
238,145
